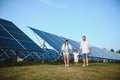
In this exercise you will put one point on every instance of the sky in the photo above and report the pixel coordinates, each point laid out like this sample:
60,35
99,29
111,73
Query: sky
99,20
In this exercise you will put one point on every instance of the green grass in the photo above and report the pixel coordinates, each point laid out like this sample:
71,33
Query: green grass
95,71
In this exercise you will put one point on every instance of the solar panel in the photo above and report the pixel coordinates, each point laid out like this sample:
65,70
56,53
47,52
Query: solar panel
57,41
8,29
10,26
49,38
6,41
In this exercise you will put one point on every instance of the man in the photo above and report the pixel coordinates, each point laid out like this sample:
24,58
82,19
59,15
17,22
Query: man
86,49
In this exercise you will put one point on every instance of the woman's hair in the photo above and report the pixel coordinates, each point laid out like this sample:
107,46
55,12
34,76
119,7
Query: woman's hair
66,41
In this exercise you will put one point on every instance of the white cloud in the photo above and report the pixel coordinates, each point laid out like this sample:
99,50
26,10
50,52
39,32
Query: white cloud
52,3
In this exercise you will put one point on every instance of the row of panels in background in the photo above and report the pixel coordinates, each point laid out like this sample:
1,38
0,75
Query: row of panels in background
50,56
16,44
56,42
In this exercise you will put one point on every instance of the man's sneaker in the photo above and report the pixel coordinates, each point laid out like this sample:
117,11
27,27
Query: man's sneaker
84,65
87,64
67,65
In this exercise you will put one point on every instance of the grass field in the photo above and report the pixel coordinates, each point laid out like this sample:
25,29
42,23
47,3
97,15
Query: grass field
95,71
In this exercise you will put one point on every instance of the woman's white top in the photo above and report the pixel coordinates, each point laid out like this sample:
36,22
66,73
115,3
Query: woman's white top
65,49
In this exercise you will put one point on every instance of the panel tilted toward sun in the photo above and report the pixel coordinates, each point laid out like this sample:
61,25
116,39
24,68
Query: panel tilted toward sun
12,37
57,41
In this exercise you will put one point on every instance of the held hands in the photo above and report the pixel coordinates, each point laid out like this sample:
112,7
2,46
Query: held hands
61,53
89,51
79,52
70,51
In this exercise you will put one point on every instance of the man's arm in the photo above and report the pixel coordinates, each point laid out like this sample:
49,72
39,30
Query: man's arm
81,47
89,50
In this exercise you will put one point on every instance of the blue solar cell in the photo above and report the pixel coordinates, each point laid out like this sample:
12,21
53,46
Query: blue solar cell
1,29
52,54
112,55
10,30
10,26
4,34
48,39
30,46
11,54
52,40
21,55
57,41
99,52
9,43
2,21
21,37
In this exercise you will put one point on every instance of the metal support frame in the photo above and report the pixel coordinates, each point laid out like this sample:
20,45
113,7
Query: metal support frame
45,49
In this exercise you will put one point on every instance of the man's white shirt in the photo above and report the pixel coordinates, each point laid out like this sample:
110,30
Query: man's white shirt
85,47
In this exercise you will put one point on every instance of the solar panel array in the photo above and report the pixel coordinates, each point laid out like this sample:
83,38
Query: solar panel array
57,41
54,40
12,37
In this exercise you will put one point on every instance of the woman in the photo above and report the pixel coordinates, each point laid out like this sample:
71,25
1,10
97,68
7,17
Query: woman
66,48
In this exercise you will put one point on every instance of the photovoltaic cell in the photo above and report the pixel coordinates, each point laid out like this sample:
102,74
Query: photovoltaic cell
9,44
21,39
6,41
51,39
57,41
10,26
